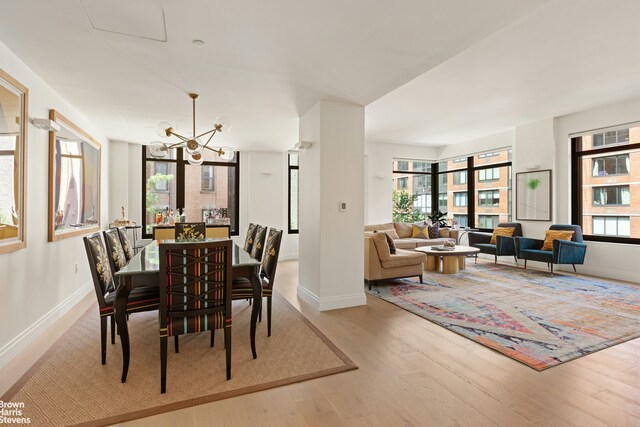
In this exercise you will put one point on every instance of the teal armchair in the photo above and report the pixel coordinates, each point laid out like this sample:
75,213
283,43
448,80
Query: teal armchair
564,251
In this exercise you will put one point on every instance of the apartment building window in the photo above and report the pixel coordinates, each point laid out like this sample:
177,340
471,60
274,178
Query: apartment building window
403,183
460,160
488,221
611,165
461,220
492,174
485,155
460,199
208,178
612,195
489,198
294,174
605,184
161,168
612,226
412,199
442,202
460,178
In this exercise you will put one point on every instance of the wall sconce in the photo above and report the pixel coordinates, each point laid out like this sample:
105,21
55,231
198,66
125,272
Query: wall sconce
303,145
532,167
46,124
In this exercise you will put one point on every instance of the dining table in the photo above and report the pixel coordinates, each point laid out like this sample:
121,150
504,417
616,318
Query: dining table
143,270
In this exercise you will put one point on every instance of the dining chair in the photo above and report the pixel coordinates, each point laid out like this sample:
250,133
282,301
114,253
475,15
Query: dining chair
126,244
115,250
195,293
190,230
258,242
164,233
142,299
241,287
217,231
251,234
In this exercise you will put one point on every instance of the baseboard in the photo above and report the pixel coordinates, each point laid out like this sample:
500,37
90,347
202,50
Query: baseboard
331,303
288,256
26,337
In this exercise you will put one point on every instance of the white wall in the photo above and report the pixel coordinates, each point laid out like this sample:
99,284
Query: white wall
378,176
332,171
613,260
39,283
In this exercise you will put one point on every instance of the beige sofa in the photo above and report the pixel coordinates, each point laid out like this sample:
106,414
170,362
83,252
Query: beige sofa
380,264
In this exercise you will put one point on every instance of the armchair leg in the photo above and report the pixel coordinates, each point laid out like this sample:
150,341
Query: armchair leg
420,277
476,259
525,263
551,269
574,269
495,259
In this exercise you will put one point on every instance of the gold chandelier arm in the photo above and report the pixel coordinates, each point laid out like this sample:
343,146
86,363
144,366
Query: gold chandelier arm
218,150
182,139
207,133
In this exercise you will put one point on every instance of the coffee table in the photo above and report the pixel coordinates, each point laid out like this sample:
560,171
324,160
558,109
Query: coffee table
452,261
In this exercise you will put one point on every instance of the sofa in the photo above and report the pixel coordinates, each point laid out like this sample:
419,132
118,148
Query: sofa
380,264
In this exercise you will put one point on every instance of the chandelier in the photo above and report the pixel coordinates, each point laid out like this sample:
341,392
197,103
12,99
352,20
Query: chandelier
193,145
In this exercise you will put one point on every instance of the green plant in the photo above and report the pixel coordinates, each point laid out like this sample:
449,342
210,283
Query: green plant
152,197
404,209
533,183
438,217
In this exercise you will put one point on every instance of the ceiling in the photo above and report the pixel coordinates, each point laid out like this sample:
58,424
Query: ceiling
263,64
429,72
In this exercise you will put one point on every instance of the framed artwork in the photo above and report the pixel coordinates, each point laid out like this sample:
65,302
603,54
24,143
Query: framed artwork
533,195
13,148
74,180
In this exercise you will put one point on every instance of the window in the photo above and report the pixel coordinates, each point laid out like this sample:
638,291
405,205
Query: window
492,174
442,202
402,165
460,198
611,165
605,184
461,220
294,174
488,221
613,195
485,155
460,178
411,190
208,179
173,183
460,160
620,136
161,168
489,198
403,183
611,225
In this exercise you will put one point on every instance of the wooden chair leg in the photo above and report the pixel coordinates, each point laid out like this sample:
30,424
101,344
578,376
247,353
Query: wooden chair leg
260,314
227,347
269,316
103,339
175,340
574,269
163,364
525,263
113,329
213,336
420,277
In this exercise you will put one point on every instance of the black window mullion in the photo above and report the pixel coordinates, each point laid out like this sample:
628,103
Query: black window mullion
180,179
471,197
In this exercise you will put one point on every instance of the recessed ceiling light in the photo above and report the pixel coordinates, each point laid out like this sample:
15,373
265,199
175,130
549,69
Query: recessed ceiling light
198,43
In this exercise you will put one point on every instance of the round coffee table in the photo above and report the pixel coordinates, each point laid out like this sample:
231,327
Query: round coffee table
452,261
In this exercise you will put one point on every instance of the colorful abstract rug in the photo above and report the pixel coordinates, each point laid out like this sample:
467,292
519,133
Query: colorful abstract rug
536,319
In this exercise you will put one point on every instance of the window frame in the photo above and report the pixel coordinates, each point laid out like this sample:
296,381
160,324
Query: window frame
290,169
577,155
181,163
211,178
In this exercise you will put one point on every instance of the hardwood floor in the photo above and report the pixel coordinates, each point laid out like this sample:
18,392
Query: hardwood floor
415,373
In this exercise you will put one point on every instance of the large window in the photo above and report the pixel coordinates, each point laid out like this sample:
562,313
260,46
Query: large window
460,199
488,221
411,190
460,178
489,198
606,184
206,193
294,173
492,174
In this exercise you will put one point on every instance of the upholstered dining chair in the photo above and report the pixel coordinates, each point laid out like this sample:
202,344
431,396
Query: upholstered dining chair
115,250
142,299
190,230
195,293
241,288
126,243
218,231
258,242
562,251
251,234
504,245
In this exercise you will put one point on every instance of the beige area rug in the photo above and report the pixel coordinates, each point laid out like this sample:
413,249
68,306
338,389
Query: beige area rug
68,385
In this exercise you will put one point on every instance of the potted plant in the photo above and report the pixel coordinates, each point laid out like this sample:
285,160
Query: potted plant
439,218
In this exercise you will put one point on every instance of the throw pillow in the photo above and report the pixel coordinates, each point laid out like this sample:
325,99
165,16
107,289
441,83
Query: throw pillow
419,231
501,231
382,247
434,231
391,232
392,246
551,235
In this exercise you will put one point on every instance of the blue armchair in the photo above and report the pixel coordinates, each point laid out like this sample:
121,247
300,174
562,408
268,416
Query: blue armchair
504,245
563,252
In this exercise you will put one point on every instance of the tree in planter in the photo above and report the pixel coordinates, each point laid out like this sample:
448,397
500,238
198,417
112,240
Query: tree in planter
404,209
438,217
151,202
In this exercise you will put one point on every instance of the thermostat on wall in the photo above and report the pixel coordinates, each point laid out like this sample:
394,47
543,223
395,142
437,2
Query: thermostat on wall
342,206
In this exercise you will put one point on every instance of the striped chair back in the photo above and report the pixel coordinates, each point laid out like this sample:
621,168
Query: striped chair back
272,252
100,267
115,251
195,286
190,230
